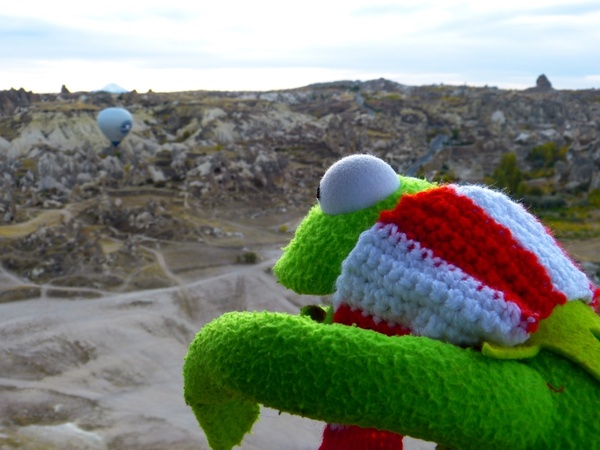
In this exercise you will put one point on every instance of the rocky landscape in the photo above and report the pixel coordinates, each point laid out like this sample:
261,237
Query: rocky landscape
197,162
112,258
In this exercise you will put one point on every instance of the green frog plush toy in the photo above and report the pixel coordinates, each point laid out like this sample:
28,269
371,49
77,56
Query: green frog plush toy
456,318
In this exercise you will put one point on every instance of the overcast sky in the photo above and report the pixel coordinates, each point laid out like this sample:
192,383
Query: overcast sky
176,45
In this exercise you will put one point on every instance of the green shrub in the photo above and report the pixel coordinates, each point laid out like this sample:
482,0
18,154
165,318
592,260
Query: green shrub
547,155
538,202
508,175
445,176
593,197
247,258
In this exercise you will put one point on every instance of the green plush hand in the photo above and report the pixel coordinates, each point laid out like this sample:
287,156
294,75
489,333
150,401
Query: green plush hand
411,385
572,330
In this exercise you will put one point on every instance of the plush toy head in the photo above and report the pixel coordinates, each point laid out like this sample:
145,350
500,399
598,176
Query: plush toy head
475,305
313,260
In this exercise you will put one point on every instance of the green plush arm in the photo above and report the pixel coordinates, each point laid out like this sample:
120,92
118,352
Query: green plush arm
335,373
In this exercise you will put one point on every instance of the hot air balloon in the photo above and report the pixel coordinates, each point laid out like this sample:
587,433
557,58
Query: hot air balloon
115,124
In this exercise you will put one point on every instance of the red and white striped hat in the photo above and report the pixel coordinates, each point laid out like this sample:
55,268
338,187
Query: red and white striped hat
463,264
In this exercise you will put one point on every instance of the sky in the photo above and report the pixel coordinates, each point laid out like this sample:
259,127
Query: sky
179,45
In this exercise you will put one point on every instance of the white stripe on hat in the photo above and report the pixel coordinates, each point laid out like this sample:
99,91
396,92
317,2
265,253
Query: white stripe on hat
393,278
532,235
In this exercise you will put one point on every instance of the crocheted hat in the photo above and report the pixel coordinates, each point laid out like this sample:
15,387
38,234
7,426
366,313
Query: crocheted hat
463,264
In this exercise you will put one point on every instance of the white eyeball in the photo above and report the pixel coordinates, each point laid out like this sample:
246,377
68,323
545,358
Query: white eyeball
356,182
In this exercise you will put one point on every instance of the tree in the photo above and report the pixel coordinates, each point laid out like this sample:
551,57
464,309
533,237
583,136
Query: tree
508,175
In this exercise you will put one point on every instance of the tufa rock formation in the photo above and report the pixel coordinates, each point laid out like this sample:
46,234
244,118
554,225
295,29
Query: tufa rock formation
542,84
12,100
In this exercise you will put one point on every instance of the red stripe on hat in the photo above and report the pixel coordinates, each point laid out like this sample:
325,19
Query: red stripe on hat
347,316
460,232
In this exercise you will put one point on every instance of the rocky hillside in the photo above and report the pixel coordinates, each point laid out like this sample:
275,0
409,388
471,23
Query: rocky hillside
219,146
263,152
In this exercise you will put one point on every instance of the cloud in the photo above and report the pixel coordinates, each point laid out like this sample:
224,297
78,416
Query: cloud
457,40
27,39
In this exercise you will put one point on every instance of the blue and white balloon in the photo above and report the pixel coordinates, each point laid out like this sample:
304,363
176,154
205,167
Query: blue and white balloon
115,124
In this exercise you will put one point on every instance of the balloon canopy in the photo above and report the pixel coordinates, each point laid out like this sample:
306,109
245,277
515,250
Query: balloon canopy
115,124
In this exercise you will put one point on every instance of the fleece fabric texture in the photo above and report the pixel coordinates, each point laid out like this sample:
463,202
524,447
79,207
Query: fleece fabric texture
409,385
350,437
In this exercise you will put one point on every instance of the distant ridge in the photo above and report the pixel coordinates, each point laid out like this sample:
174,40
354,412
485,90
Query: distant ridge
380,84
